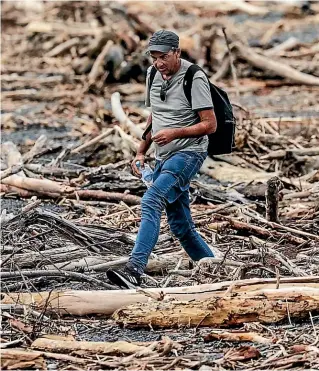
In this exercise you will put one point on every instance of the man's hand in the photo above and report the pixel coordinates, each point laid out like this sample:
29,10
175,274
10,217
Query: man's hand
141,158
164,136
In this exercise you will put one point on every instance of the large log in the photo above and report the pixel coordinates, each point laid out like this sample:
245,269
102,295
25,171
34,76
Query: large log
266,306
106,302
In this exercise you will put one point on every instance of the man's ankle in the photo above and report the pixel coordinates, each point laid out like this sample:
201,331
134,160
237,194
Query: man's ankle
133,270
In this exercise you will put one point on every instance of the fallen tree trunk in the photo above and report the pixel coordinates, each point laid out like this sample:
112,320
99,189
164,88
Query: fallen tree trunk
276,67
265,306
106,302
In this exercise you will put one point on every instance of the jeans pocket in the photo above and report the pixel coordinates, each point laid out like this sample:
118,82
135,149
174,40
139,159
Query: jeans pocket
183,166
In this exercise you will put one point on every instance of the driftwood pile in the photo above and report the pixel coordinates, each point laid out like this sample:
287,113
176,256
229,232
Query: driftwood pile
105,42
72,103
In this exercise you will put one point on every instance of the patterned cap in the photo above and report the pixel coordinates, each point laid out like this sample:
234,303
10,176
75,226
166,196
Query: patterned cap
163,41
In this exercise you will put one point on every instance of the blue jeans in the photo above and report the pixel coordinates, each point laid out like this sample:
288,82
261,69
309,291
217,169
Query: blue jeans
170,191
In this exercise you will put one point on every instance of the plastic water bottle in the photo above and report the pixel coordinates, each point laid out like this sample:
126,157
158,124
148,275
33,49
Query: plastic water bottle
147,174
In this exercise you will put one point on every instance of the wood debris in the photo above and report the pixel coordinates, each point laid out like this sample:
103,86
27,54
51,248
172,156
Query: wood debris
72,115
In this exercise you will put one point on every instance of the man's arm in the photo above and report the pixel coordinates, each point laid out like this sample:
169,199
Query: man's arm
207,125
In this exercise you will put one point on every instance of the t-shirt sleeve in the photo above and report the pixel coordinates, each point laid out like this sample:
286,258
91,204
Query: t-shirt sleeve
201,97
147,95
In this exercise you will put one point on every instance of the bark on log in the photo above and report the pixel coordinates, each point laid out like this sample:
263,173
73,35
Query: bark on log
265,306
106,302
276,67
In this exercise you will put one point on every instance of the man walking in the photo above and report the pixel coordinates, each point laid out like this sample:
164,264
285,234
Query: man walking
179,132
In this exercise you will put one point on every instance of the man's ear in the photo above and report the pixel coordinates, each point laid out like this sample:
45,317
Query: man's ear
178,52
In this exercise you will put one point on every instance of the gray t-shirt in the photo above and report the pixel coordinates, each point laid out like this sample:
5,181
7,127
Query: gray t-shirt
176,112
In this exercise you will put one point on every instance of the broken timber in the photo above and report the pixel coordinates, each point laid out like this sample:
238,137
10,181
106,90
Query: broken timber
107,302
265,306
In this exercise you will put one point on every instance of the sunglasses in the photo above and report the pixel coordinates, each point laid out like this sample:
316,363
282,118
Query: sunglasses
164,88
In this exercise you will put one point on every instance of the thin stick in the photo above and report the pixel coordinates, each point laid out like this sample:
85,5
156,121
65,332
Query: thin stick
232,66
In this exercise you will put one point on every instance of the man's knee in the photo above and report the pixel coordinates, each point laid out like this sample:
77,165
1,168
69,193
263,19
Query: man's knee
152,200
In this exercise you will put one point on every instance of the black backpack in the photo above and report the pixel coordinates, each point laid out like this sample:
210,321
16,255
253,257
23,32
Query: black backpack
220,142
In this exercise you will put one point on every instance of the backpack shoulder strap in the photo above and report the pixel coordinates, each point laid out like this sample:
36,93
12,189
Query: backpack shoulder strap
188,81
152,75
